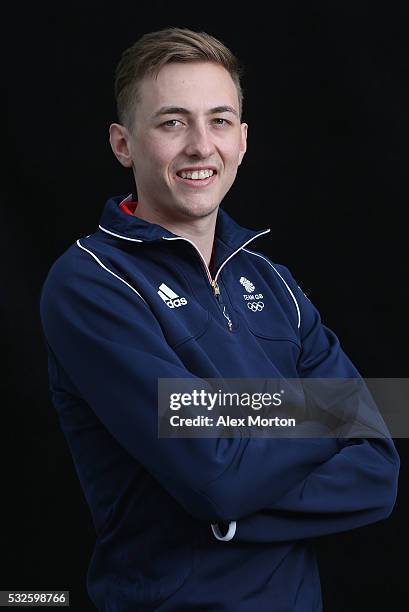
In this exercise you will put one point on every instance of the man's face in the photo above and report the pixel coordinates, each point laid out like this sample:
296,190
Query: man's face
186,121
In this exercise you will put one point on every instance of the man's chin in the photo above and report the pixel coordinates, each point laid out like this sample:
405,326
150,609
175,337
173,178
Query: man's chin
197,210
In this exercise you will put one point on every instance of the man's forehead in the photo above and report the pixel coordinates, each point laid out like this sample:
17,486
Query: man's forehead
190,86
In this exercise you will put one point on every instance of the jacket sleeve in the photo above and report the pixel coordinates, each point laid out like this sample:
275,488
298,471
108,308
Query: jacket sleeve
355,487
112,348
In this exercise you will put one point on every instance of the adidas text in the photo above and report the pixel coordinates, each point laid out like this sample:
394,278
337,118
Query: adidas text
176,303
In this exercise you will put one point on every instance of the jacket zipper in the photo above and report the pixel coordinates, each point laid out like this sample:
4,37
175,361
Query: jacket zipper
213,282
216,291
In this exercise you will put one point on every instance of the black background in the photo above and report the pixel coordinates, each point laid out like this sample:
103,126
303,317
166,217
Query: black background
326,99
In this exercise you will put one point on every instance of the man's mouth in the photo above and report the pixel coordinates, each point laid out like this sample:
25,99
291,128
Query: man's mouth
196,175
196,178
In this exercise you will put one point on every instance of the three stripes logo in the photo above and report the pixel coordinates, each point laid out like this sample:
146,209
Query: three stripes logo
171,299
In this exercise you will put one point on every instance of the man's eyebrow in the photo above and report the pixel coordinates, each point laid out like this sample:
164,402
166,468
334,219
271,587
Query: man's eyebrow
179,110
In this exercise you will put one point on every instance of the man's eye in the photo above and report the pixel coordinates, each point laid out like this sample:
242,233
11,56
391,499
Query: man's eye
171,123
220,121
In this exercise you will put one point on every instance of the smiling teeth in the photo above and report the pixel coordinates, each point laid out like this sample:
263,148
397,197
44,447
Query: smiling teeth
201,174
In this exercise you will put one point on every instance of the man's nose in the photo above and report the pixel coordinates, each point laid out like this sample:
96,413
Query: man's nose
199,142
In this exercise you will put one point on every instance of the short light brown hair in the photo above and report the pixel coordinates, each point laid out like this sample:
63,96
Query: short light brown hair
155,49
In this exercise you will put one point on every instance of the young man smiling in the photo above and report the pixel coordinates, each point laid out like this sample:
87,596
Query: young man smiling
184,156
167,288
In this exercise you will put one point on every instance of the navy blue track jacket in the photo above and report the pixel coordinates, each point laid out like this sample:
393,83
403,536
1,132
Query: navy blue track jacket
158,504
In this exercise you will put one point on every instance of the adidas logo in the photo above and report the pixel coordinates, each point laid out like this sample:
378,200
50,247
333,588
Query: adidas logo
247,284
171,299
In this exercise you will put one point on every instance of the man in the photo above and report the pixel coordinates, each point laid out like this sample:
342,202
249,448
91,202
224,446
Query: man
159,291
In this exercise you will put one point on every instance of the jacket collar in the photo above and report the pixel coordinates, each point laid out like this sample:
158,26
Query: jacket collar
115,222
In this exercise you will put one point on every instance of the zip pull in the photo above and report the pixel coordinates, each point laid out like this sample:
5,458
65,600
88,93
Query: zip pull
225,314
216,289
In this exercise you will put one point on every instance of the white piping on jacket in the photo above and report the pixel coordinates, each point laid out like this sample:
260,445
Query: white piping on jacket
230,532
119,235
110,271
289,290
239,249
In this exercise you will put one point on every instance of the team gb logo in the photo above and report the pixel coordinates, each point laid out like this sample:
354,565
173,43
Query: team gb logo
247,284
252,300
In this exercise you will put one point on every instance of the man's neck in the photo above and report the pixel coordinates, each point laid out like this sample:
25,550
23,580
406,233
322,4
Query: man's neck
199,231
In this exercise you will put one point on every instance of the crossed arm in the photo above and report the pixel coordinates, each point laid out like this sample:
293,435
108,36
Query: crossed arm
274,489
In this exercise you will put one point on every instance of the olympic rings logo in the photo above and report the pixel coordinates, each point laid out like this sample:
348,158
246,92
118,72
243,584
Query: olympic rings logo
255,306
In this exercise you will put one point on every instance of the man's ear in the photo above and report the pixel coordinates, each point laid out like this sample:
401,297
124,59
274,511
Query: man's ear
243,143
120,144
